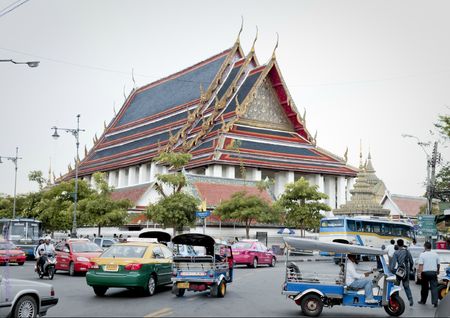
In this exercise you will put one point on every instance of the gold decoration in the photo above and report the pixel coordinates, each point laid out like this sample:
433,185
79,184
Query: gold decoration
254,41
346,155
275,48
104,124
85,151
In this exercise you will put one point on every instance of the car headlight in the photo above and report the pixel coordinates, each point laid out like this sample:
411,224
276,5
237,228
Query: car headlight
82,259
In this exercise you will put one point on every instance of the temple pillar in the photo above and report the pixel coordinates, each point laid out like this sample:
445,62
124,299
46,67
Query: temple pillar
132,175
253,174
281,179
330,190
319,182
216,170
229,172
123,178
143,173
151,171
112,178
290,177
341,189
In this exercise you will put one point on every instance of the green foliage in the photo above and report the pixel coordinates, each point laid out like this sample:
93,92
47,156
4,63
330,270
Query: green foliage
176,210
176,181
302,206
36,176
444,125
442,183
6,207
176,160
247,209
99,209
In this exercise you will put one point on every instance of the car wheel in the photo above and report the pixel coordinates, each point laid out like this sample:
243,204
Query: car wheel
21,263
255,263
396,305
442,291
72,269
222,289
311,305
100,291
26,306
273,262
150,288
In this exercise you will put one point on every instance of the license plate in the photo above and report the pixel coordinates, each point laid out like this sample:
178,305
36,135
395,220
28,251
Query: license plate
183,285
111,268
193,274
235,253
12,260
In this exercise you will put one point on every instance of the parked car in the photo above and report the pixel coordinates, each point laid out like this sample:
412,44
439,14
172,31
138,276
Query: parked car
252,253
23,298
75,255
444,258
10,253
105,242
136,265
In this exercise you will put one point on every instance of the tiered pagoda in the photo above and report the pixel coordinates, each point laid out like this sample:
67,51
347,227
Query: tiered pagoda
229,111
364,199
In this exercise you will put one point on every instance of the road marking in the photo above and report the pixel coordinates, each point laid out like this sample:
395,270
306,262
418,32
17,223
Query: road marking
160,313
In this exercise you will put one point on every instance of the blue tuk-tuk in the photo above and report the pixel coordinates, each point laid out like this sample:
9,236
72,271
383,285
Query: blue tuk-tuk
211,271
313,291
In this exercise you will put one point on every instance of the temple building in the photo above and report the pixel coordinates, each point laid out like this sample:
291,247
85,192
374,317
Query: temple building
365,199
230,112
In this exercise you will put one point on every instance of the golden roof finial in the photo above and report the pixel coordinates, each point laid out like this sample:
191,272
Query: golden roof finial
254,41
360,155
104,124
85,151
54,178
304,117
346,155
275,48
240,30
114,109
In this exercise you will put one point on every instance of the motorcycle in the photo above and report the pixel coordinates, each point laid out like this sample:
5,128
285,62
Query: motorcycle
48,269
444,284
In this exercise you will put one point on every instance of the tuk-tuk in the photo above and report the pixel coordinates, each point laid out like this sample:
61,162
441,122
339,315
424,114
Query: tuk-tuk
313,291
211,271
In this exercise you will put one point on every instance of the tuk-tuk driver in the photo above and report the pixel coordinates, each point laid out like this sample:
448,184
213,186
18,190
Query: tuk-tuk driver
355,280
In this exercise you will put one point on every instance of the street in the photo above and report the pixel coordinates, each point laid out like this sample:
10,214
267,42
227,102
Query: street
254,292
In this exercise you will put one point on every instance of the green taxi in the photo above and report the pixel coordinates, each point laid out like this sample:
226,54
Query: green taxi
133,265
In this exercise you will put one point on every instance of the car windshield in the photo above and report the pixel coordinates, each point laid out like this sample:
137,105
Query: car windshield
7,246
444,258
125,251
242,245
85,247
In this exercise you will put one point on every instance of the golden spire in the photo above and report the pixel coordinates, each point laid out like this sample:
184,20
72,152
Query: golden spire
238,39
275,48
254,41
361,167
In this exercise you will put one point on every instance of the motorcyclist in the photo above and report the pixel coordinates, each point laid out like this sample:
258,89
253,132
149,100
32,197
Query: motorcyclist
36,251
45,249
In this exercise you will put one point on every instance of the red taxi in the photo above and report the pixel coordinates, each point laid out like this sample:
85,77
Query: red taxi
252,253
9,253
74,255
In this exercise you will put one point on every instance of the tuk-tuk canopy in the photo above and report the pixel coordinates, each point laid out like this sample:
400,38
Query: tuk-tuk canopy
306,244
194,239
162,237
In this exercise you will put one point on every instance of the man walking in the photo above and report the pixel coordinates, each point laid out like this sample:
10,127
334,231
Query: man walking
427,272
402,258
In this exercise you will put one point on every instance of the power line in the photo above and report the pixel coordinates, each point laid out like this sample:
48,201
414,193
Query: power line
12,7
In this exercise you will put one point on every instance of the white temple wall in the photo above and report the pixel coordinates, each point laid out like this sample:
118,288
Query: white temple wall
341,190
253,174
229,172
330,190
133,175
123,178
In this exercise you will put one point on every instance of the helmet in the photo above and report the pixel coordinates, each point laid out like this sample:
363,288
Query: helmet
47,238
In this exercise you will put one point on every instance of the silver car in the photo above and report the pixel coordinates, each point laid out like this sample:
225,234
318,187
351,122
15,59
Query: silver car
23,298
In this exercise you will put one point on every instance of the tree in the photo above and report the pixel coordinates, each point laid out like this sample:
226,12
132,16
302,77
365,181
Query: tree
247,208
302,206
36,176
99,209
444,125
175,209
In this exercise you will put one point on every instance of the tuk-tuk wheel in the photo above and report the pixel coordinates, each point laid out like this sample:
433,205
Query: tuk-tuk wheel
396,305
442,291
180,292
312,305
222,289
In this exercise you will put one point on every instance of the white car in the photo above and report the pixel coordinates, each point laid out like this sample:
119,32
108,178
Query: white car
23,298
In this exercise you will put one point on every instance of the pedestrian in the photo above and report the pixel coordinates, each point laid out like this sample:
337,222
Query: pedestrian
403,261
427,273
414,242
390,251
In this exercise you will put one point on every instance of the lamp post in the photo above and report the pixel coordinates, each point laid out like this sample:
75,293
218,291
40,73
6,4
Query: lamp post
30,64
14,160
76,134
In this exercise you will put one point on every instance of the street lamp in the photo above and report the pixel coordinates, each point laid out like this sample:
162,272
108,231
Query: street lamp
14,160
30,64
75,133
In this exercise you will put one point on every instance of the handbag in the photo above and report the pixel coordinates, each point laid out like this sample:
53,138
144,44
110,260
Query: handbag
401,272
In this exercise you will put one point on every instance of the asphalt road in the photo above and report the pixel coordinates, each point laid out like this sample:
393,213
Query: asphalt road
255,292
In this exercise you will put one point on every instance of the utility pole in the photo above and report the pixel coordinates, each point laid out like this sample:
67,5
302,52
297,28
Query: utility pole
435,157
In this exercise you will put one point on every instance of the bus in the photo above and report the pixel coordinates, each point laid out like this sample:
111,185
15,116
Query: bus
372,232
24,233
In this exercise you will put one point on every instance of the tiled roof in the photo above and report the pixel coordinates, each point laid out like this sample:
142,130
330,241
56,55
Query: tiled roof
133,193
408,204
216,193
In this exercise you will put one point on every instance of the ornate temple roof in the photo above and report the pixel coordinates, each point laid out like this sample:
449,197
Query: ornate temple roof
227,109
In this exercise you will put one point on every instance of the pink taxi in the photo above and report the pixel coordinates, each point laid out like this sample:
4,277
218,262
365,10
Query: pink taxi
252,253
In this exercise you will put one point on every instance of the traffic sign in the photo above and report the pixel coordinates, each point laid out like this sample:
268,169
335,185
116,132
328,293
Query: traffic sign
203,214
427,225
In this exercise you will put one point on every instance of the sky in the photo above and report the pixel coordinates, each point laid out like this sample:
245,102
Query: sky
365,71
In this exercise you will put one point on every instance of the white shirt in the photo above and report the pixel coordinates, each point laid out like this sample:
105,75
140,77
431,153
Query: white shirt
390,250
351,274
429,260
48,248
